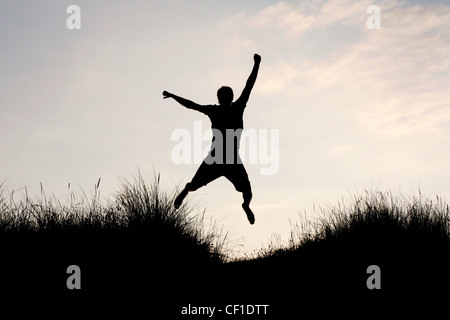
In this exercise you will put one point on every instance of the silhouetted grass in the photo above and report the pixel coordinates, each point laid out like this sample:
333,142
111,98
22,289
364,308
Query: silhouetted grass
378,221
139,208
136,245
409,239
139,247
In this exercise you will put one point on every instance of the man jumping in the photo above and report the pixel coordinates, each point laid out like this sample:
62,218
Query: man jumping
227,125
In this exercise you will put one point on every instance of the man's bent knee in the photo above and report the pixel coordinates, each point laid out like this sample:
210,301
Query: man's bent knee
190,187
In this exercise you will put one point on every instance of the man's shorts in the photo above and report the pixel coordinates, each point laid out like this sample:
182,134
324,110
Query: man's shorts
236,173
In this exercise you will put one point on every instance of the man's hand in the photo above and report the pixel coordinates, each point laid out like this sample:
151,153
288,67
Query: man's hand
184,102
167,95
257,58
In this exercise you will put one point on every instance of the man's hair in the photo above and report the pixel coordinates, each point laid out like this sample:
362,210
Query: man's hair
225,95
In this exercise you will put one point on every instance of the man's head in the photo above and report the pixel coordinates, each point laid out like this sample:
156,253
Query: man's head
225,95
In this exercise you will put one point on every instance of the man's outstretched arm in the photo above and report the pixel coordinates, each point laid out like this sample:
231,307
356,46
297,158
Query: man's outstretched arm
245,95
184,102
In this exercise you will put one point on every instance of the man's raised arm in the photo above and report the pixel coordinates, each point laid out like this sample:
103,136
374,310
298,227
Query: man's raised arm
245,95
184,102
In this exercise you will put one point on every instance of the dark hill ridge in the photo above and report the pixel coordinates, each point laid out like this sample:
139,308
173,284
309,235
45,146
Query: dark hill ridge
138,253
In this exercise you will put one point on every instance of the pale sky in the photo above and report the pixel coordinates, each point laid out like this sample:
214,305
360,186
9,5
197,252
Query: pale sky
356,109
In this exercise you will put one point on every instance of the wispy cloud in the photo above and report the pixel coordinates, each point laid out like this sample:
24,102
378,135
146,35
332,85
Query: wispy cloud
289,19
398,73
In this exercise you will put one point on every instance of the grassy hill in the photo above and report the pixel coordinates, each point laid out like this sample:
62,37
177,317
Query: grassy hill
139,253
328,260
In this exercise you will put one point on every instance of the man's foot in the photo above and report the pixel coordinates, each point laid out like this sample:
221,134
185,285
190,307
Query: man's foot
180,198
248,211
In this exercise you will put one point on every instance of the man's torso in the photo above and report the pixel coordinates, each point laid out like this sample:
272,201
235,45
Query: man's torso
227,125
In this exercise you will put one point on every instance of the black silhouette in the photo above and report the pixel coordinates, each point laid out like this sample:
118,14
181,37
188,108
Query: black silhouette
227,125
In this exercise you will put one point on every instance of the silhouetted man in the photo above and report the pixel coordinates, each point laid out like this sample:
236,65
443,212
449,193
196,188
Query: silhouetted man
227,125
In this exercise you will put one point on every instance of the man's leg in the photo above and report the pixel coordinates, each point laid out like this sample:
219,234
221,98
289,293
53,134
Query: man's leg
204,175
182,195
247,195
238,176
